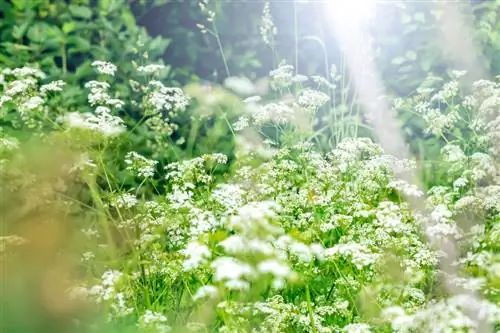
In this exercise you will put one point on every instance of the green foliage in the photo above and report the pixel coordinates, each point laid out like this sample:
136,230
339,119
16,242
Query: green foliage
63,39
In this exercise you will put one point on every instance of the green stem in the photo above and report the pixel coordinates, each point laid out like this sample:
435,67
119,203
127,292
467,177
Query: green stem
221,49
64,59
309,310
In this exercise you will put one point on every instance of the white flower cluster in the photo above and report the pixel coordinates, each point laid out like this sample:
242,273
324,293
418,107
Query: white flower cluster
104,67
139,164
282,77
267,28
21,94
163,98
150,69
311,100
153,322
102,121
99,94
450,315
125,200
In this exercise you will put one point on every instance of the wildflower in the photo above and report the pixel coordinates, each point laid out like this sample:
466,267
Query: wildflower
205,292
87,256
102,121
311,100
267,28
196,254
359,255
275,268
150,69
357,328
25,72
104,67
166,98
32,103
282,76
154,321
142,166
232,272
52,86
125,201
240,85
241,124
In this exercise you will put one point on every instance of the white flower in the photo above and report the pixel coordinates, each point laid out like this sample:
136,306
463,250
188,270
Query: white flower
166,98
19,87
104,67
302,251
4,99
240,85
87,256
126,200
27,72
150,69
231,270
140,164
311,100
275,268
267,28
360,255
102,121
205,292
52,86
357,328
241,124
197,254
153,321
282,77
111,277
234,244
405,188
32,103
441,211
229,196
453,153
278,112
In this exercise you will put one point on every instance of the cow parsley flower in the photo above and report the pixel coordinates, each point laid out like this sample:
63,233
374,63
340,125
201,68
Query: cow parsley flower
141,165
232,272
357,328
125,201
150,69
104,67
102,121
197,254
52,86
32,103
153,322
311,100
282,77
207,291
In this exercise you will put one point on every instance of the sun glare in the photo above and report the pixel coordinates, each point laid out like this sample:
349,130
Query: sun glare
345,13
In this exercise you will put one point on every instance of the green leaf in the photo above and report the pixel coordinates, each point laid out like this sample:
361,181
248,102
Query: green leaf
19,4
78,44
68,27
38,32
128,19
80,11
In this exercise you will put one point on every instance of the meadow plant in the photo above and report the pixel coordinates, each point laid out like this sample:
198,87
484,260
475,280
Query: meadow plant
301,241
